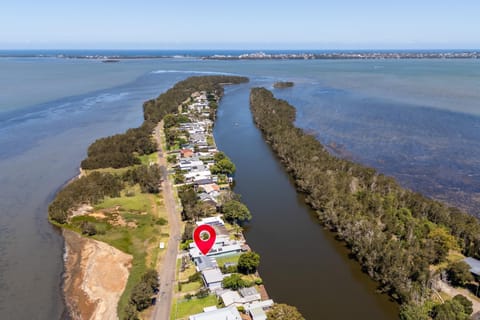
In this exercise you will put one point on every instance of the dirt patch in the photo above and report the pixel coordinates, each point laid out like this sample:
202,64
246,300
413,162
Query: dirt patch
81,211
113,217
95,277
98,215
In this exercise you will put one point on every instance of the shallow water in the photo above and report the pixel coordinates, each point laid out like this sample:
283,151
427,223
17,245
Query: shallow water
415,119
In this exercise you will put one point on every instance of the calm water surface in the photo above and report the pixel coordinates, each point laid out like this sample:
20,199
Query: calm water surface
417,120
301,263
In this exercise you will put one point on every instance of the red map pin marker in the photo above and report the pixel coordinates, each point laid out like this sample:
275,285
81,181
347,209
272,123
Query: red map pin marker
204,237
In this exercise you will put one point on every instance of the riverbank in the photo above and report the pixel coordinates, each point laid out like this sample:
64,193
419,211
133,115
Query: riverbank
395,234
95,277
215,283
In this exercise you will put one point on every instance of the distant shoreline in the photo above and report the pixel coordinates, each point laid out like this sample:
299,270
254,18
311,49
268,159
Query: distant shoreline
118,55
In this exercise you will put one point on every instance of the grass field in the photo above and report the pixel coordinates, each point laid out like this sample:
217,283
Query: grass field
222,260
134,223
149,158
182,309
191,287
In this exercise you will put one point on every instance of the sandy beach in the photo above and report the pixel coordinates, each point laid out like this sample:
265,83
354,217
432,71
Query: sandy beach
95,277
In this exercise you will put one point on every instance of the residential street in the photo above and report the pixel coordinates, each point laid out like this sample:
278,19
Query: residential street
167,269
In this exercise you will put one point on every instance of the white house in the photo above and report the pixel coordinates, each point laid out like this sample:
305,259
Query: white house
211,221
228,313
240,298
222,247
230,297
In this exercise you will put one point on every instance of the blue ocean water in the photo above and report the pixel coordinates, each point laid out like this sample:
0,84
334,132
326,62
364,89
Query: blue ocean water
418,120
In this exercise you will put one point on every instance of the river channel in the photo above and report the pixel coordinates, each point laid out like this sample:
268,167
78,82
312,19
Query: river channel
301,263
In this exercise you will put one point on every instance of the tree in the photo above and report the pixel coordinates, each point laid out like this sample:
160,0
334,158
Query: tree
142,292
169,121
465,302
224,166
442,242
234,282
414,312
131,312
281,311
459,273
450,310
141,296
148,177
227,196
219,156
179,178
248,262
188,232
151,279
235,211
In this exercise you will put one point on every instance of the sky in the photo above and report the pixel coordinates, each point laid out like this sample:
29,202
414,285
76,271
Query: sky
241,24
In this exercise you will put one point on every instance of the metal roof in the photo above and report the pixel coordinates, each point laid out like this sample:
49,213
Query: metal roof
474,265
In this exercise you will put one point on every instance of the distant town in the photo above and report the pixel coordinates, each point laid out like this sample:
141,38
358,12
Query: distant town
260,55
350,55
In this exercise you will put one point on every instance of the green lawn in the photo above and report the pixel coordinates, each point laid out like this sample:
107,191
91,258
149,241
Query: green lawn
139,202
186,308
191,286
233,258
148,158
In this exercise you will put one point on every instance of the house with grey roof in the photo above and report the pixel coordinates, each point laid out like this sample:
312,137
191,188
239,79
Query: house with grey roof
203,263
213,278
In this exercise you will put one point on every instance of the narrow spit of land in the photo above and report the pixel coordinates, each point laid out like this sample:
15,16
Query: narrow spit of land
402,239
117,200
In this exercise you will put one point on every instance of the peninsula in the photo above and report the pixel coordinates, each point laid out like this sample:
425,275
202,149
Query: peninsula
122,224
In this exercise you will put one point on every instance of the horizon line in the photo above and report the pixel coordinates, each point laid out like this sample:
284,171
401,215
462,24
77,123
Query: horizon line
237,49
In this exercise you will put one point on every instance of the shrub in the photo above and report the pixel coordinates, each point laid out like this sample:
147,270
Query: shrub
88,228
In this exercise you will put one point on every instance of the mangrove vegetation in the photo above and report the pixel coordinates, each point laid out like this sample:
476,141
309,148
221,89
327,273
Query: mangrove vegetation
399,237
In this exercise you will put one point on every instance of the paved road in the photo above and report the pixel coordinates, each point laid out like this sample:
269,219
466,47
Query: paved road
167,269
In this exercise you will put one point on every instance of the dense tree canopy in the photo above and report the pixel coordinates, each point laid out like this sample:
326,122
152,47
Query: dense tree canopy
248,262
394,233
234,282
465,302
142,293
89,189
281,311
236,211
459,273
450,310
225,166
148,177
